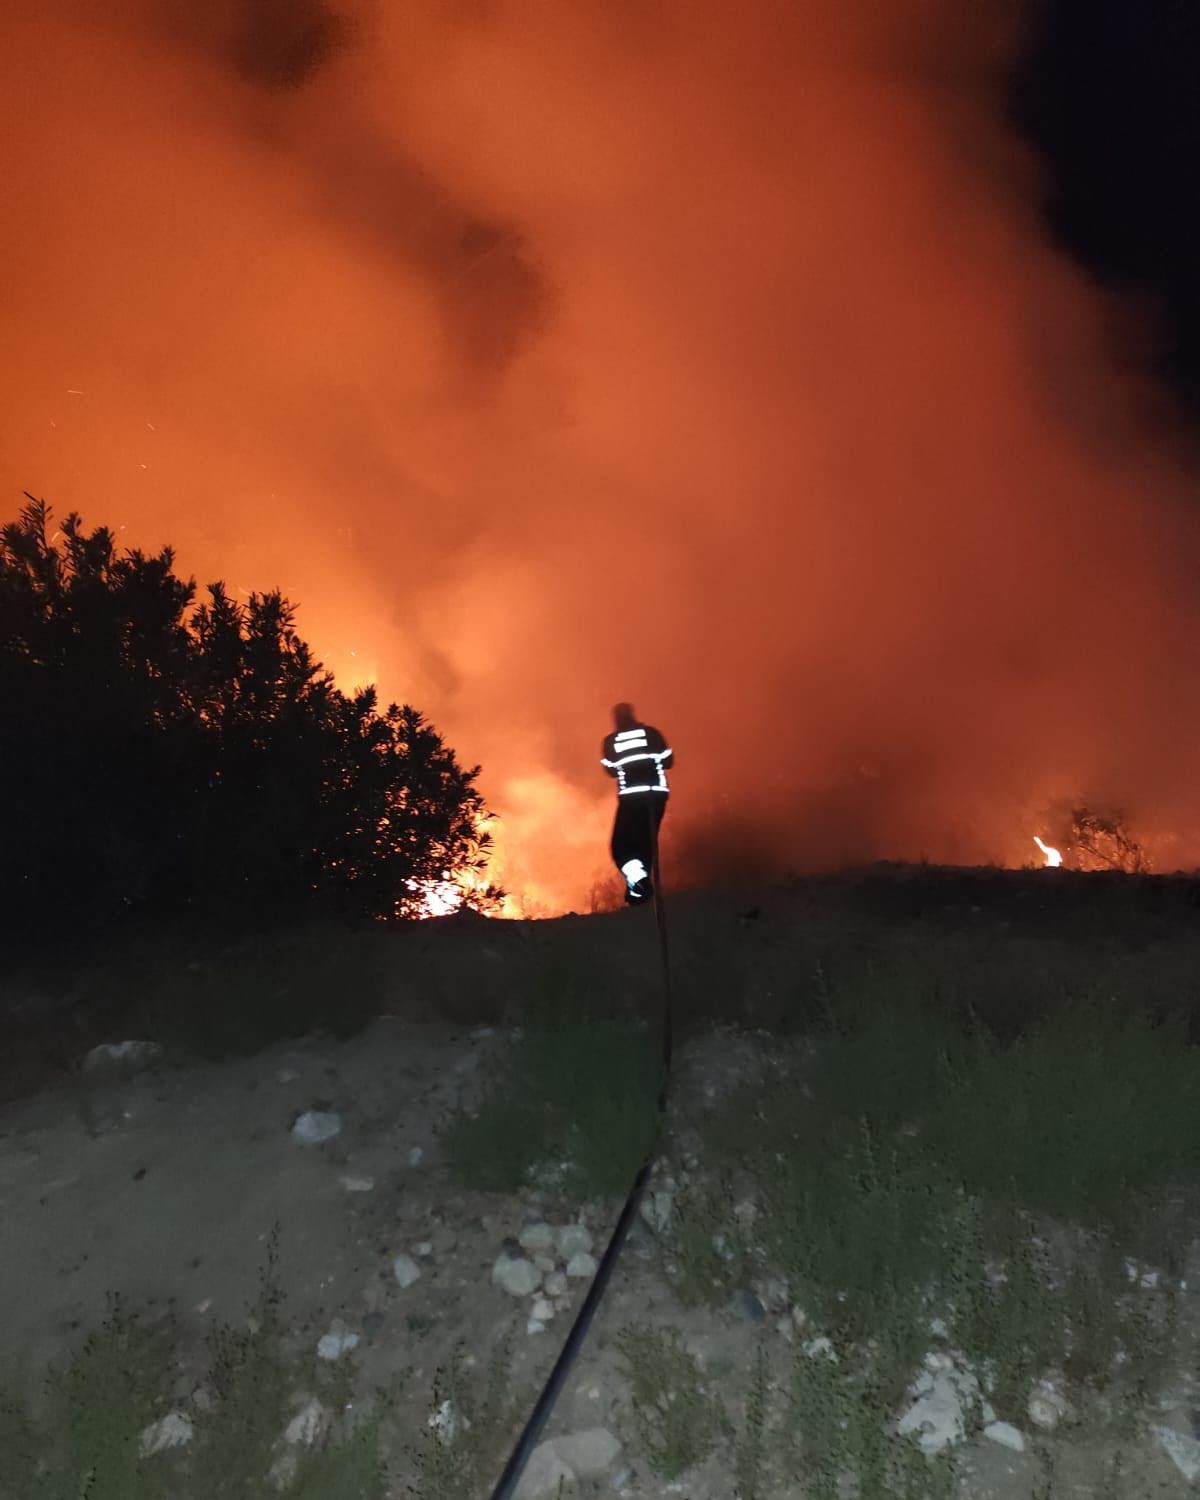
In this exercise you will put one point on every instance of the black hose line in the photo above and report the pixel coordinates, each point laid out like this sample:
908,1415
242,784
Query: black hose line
532,1431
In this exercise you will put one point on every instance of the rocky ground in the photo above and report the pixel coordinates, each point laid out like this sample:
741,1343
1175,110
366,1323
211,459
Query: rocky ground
144,1171
163,1180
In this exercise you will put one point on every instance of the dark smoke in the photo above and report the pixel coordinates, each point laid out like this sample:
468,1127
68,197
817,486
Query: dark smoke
283,43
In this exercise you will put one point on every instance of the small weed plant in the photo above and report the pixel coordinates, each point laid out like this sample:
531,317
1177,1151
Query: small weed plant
708,1254
678,1421
750,1451
472,1414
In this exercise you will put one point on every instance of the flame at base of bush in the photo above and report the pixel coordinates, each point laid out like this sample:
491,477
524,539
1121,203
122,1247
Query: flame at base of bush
542,854
469,888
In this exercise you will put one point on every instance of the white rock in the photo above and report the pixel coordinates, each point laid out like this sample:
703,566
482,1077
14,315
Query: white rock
317,1125
519,1278
545,1475
359,1184
656,1209
416,1156
133,1054
172,1431
535,1325
773,1294
536,1238
545,1263
447,1423
938,1415
332,1346
822,1348
581,1266
542,1309
573,1239
1047,1406
310,1424
406,1270
423,1250
590,1454
556,1284
1184,1452
1146,1279
938,1328
1006,1435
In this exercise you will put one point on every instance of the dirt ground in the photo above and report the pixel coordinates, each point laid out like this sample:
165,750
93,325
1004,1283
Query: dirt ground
166,1183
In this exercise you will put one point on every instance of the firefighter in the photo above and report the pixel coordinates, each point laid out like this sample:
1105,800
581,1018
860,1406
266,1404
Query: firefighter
638,758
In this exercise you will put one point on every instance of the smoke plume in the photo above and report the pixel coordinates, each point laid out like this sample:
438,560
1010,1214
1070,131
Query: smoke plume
707,356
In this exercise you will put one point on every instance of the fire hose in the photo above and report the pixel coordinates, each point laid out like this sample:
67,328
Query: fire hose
532,1431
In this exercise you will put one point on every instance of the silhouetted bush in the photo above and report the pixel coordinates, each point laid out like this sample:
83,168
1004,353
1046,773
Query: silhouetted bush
163,757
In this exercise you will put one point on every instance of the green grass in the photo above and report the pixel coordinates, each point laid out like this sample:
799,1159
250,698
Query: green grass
709,1254
571,1091
90,1446
751,1461
835,1429
825,1420
348,1470
914,1148
1088,1118
998,986
237,998
88,1441
936,1142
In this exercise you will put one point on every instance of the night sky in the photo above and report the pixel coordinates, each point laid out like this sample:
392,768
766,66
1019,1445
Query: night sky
1110,95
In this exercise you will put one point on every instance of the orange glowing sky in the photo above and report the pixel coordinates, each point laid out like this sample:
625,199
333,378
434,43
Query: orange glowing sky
709,356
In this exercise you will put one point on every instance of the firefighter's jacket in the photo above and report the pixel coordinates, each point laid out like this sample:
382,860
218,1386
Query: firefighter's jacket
639,758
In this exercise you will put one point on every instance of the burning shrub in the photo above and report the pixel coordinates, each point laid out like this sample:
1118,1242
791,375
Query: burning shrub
1102,841
164,757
